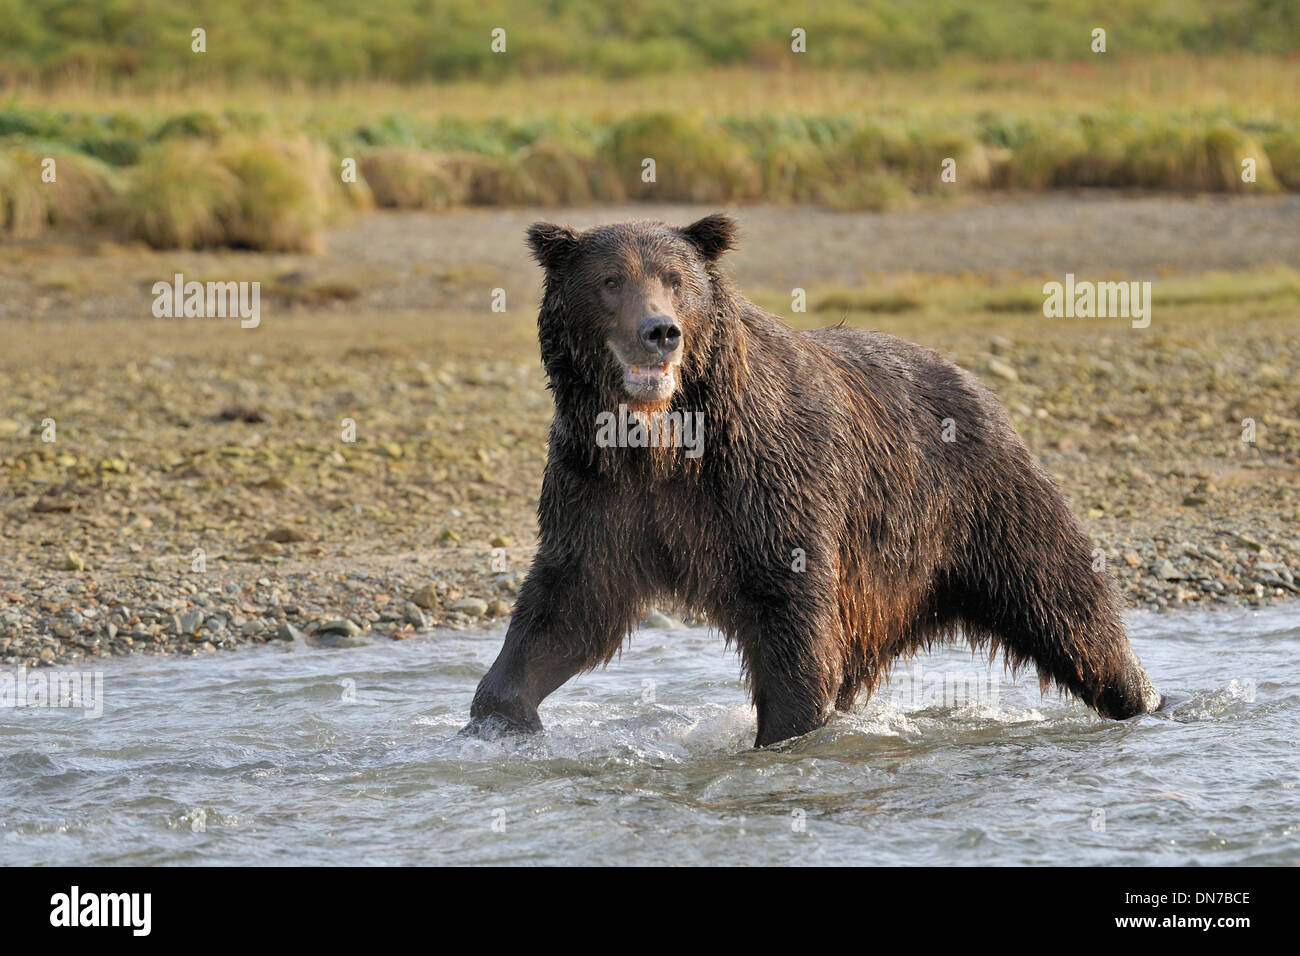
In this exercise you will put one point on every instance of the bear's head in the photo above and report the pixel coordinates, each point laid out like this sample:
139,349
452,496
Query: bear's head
628,305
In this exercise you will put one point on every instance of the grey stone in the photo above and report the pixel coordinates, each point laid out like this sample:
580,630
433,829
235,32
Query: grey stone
471,607
287,632
1166,571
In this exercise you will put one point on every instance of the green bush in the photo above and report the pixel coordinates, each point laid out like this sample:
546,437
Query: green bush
694,161
409,179
1283,149
258,194
24,212
180,197
82,191
284,193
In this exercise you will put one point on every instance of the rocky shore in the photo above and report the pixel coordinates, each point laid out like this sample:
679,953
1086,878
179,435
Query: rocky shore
61,618
337,478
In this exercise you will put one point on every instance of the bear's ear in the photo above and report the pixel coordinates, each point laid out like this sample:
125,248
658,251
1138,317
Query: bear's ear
712,235
551,244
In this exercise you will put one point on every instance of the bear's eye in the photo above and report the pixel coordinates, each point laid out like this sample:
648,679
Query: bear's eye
611,282
675,281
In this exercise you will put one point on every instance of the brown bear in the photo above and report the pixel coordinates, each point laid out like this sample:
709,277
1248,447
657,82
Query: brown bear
854,497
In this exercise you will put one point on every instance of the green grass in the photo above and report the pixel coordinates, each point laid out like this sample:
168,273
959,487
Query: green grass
399,178
176,171
219,185
332,41
81,192
925,297
257,194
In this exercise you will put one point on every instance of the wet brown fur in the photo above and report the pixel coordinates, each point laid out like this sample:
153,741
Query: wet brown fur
827,441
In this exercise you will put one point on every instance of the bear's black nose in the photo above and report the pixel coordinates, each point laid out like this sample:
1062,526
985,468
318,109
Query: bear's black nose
660,335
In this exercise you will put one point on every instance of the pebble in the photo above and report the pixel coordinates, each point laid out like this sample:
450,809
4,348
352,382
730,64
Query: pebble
1002,370
425,597
1249,542
339,639
287,632
471,607
343,625
1166,571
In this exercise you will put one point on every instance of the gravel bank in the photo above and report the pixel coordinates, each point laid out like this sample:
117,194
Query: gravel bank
200,492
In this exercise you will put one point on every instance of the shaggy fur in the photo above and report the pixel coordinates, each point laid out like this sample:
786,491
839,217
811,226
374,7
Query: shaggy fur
825,443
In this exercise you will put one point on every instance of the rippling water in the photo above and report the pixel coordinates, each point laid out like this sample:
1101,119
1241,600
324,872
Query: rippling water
351,757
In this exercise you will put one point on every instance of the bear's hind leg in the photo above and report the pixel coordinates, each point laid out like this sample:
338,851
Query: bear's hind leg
1034,592
1088,655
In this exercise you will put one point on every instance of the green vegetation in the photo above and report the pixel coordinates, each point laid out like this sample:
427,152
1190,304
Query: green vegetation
332,41
260,194
172,163
202,178
1275,290
84,191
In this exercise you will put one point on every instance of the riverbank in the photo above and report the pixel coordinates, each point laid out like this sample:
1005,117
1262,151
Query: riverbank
203,488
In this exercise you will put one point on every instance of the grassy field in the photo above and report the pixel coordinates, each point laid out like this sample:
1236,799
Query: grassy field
329,41
1167,82
258,168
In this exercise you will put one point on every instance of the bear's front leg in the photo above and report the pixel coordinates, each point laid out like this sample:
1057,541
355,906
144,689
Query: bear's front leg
792,664
783,715
563,623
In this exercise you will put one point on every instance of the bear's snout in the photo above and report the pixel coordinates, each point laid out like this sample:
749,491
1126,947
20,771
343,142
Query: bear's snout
649,353
661,337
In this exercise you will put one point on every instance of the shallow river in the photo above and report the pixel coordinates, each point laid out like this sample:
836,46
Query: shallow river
299,755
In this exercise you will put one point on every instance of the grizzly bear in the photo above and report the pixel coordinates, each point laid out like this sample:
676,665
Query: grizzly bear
855,497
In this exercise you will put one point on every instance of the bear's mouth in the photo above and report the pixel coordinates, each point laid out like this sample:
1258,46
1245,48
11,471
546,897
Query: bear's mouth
649,382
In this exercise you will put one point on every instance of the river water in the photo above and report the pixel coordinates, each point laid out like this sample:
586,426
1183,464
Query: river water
306,756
